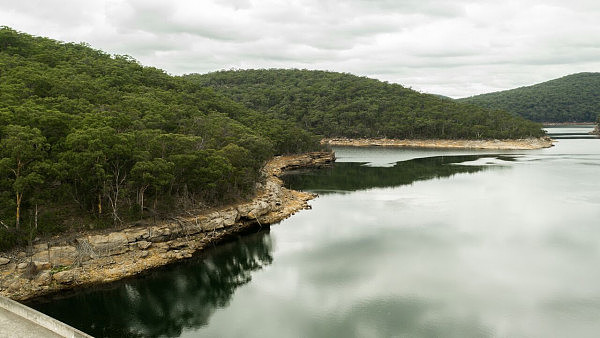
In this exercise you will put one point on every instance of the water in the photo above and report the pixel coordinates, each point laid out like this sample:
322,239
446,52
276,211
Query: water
440,244
571,132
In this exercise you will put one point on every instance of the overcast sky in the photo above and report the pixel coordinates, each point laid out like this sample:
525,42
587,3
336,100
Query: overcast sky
451,47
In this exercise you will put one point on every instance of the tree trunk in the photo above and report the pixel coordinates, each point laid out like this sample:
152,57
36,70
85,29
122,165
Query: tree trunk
19,199
154,206
141,192
113,194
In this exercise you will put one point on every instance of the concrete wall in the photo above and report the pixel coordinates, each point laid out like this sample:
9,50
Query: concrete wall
39,319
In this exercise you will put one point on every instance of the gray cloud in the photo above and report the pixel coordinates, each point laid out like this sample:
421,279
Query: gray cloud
456,48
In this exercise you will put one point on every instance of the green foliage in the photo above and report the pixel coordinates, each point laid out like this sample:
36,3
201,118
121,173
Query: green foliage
22,155
88,136
573,98
343,105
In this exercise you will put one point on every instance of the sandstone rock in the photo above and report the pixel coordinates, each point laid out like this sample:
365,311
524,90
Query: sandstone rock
134,235
229,217
40,266
117,238
21,254
42,256
144,254
143,245
40,247
159,234
106,245
64,277
244,209
216,223
62,255
22,266
4,261
260,208
158,238
17,285
43,278
175,229
192,227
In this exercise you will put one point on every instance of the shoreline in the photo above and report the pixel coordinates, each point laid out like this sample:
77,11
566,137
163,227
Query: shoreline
90,259
516,144
554,124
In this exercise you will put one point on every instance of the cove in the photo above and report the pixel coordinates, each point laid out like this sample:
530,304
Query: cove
401,242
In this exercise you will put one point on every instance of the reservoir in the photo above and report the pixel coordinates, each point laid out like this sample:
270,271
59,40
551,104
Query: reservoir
400,242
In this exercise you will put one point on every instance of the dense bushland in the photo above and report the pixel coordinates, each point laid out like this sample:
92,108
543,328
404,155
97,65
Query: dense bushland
573,98
343,105
89,138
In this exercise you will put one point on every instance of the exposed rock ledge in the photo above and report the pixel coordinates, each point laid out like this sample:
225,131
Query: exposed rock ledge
94,259
519,144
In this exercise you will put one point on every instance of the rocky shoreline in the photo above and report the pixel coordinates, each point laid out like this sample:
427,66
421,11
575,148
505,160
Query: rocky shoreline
91,259
518,144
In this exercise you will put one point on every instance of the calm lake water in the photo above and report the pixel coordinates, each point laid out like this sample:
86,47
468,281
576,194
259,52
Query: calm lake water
401,242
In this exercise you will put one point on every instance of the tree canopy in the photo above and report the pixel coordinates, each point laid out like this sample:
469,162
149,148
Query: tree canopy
344,105
572,98
92,137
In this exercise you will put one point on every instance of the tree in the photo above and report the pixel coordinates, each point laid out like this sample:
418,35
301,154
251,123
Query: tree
156,173
99,160
22,149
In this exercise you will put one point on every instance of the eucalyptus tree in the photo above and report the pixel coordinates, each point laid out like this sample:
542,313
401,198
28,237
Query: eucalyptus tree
22,150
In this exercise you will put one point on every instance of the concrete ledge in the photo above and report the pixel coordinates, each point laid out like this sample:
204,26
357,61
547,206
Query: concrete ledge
39,319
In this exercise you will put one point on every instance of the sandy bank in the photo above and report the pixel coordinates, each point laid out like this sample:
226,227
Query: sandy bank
520,144
88,259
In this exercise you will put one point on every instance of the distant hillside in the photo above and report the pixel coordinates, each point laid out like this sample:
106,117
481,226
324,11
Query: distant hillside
344,105
573,98
443,97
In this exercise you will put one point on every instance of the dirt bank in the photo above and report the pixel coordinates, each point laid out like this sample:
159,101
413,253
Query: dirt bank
520,144
101,258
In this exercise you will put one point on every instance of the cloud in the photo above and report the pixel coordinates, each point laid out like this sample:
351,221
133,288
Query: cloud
456,48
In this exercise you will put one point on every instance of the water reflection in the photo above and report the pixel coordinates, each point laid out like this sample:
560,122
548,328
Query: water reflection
398,317
507,253
571,132
170,299
352,176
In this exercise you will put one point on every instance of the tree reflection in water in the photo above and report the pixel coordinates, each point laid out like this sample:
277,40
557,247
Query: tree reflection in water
352,176
168,300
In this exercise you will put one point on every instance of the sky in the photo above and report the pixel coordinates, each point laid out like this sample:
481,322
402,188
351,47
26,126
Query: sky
456,48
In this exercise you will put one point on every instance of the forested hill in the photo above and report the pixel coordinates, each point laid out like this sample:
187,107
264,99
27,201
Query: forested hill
88,138
336,104
99,139
573,98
